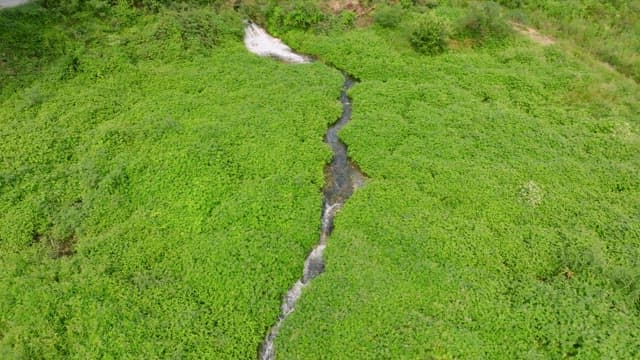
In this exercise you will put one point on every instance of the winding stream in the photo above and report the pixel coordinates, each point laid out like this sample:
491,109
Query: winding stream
342,177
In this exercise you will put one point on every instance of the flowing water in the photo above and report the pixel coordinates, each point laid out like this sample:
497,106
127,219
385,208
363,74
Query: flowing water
342,177
260,43
11,3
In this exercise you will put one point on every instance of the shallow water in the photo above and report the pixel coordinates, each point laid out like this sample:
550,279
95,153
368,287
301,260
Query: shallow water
259,42
342,177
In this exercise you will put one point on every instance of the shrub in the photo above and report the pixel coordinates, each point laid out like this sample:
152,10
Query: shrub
295,15
201,27
428,3
485,20
513,4
388,16
98,8
343,21
346,19
429,35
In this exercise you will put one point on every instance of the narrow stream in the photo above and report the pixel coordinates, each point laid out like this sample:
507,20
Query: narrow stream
342,177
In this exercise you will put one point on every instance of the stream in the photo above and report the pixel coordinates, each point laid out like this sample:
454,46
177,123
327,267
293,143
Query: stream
342,178
12,3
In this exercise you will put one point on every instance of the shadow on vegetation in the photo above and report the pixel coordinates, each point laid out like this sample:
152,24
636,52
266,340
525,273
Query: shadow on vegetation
31,38
58,248
63,39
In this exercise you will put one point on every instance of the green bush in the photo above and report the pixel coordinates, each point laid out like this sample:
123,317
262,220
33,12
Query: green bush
429,35
346,19
512,4
485,20
296,15
100,8
200,27
388,16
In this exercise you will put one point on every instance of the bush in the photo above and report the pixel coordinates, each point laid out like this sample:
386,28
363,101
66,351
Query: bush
512,4
485,20
429,35
295,15
199,27
388,16
346,19
100,8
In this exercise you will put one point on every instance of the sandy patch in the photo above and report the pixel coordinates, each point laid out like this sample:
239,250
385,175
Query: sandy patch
355,6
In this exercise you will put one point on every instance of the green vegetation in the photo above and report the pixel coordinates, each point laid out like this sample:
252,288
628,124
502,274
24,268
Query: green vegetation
608,29
294,15
388,16
501,219
429,35
160,186
485,20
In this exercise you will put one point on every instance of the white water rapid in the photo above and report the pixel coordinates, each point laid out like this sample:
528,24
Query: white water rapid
260,43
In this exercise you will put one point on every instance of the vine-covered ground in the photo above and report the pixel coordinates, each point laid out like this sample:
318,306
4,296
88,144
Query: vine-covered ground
160,187
156,207
501,219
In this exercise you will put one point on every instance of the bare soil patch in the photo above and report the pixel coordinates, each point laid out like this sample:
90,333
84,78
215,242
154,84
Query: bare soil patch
337,6
533,34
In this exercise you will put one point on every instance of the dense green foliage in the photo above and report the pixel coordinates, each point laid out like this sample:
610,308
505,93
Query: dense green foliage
429,35
158,190
388,16
160,187
485,20
501,219
294,15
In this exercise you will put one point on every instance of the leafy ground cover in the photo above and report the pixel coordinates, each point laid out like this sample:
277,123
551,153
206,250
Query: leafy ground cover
501,217
157,194
160,187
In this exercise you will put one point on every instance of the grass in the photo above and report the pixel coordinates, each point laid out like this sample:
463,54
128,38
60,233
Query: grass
160,189
607,29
